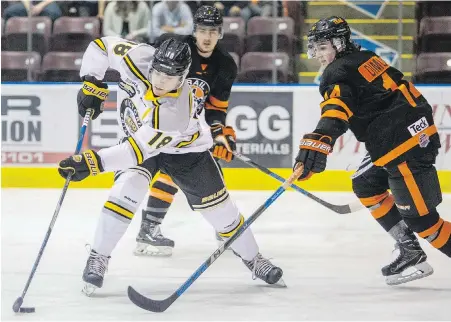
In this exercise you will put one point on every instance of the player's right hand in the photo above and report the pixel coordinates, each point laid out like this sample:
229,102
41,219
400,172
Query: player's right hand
313,151
92,95
81,166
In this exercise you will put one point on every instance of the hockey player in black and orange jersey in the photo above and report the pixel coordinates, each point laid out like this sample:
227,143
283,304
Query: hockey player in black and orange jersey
211,76
364,94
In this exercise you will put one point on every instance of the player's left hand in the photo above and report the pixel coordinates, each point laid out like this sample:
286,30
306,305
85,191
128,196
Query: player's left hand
313,151
225,141
81,166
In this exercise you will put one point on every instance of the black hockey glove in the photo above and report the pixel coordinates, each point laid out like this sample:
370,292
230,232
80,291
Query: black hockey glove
224,141
313,151
81,166
92,95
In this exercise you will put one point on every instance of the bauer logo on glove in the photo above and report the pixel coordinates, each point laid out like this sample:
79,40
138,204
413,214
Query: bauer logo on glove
313,151
92,95
81,166
91,89
316,145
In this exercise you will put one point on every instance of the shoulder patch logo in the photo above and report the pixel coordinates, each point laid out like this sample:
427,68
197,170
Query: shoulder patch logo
129,89
199,90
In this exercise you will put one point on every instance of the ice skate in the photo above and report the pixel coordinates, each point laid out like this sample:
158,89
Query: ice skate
151,242
410,262
95,269
263,269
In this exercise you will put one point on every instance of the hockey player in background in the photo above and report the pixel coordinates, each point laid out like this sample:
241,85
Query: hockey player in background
163,132
211,76
364,94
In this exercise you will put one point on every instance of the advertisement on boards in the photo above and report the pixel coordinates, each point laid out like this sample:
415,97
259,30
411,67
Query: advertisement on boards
39,123
263,126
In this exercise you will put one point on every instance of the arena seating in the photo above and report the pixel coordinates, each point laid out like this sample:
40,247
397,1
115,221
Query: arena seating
17,64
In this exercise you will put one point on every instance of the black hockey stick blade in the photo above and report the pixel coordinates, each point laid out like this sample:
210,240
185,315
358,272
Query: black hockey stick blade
339,209
149,304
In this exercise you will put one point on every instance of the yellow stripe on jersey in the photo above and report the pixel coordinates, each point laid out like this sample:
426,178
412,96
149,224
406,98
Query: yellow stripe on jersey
156,116
136,149
118,209
175,93
146,113
185,143
190,94
100,43
135,70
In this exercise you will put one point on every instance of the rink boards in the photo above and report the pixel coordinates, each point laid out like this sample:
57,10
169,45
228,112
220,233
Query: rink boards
40,126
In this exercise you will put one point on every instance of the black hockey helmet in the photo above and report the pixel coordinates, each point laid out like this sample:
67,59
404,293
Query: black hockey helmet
335,29
172,58
329,28
208,16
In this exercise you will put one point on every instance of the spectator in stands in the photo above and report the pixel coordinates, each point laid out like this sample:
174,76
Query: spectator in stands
88,8
126,19
170,16
248,9
47,8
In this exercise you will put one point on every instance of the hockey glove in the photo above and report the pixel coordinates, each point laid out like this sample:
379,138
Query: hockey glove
92,95
224,141
81,166
313,151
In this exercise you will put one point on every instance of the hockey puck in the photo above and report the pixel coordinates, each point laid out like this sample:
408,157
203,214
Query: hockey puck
27,310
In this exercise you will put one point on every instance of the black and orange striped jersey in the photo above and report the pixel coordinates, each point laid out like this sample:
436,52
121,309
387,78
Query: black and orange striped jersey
211,79
364,94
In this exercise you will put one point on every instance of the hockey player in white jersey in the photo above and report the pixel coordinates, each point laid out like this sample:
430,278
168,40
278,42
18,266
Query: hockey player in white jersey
162,132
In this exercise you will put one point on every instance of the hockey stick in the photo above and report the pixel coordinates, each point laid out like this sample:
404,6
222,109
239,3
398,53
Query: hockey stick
161,305
339,209
18,303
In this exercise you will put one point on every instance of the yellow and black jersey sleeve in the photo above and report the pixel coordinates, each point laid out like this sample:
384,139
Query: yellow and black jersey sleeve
218,101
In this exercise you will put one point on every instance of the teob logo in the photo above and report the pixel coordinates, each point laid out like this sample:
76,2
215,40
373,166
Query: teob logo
262,122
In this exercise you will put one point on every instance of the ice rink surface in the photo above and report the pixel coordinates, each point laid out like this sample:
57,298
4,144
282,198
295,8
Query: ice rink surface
331,264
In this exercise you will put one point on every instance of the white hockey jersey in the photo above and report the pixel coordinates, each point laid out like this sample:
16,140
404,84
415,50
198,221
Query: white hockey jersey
153,125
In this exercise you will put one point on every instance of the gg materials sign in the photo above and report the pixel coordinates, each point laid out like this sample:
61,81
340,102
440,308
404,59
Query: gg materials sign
262,122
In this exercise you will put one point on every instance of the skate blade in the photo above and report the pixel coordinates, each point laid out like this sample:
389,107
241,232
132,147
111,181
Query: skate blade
149,250
88,289
280,284
410,274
